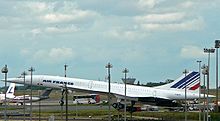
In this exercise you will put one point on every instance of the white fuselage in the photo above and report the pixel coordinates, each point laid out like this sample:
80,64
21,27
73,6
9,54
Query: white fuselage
21,99
132,91
2,97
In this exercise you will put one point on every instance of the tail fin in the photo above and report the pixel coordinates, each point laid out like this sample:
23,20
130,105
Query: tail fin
10,91
46,93
189,81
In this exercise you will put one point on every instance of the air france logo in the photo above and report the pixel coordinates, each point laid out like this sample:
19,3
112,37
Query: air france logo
58,82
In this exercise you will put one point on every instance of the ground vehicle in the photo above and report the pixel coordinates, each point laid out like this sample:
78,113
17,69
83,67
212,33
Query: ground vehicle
86,99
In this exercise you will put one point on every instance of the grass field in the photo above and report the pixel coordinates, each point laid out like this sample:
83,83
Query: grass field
169,116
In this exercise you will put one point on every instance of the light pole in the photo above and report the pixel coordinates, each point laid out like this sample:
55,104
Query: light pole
76,107
61,103
217,45
125,71
109,66
31,69
199,62
209,51
39,111
5,71
185,72
204,72
65,67
24,74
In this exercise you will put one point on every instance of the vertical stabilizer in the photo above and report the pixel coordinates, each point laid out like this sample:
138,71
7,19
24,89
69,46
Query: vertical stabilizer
10,91
46,93
190,81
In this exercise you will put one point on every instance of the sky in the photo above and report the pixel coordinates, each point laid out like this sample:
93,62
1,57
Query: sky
154,39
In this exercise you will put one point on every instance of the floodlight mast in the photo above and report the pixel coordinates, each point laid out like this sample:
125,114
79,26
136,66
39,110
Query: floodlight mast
24,74
5,71
217,45
209,51
125,71
109,66
199,62
65,68
204,72
185,113
31,70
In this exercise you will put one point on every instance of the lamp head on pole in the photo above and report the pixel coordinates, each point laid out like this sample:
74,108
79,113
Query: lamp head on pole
217,43
109,65
185,71
31,69
198,61
24,73
211,50
5,69
125,70
203,66
204,69
65,66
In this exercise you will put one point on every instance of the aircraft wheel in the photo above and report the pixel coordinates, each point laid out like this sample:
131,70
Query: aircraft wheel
115,105
120,106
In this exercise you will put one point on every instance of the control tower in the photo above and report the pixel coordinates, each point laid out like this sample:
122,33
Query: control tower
129,80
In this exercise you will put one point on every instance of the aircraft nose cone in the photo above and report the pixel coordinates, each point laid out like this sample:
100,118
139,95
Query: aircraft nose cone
12,80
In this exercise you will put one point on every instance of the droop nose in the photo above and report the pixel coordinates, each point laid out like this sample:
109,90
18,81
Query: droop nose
14,80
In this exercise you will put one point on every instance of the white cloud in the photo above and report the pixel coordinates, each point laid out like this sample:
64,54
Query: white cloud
35,31
61,53
54,55
125,34
187,4
55,30
53,18
124,54
44,16
191,52
160,18
25,52
190,25
62,29
143,4
132,54
172,16
38,6
73,16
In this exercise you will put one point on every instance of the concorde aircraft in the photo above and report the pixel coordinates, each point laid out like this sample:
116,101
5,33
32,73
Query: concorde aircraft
165,95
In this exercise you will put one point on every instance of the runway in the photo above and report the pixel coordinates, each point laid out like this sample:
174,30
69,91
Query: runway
53,105
16,112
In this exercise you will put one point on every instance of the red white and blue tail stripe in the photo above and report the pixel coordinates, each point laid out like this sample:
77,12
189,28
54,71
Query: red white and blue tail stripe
189,81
